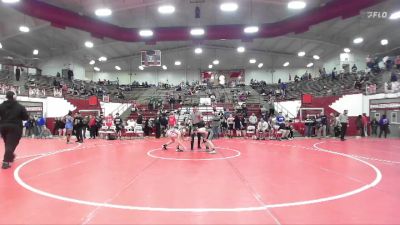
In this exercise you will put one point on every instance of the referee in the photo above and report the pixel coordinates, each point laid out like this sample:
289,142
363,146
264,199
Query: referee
11,116
197,122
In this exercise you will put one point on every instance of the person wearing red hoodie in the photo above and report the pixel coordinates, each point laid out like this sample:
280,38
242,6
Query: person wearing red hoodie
171,121
92,126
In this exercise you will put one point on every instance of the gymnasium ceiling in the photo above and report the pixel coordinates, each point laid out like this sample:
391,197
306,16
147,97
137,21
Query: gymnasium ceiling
323,39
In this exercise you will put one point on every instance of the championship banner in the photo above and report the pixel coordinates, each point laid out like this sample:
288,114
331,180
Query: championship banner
151,58
106,98
223,77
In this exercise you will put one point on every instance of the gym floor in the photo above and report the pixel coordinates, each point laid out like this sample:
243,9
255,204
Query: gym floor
304,181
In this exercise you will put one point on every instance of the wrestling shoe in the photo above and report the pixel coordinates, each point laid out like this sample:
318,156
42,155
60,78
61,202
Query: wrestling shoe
6,165
164,147
212,152
179,150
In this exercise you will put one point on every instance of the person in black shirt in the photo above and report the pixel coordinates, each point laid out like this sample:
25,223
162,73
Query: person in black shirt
11,116
118,125
320,125
78,126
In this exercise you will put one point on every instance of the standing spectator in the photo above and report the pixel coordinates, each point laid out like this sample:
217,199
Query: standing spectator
157,124
384,126
11,116
85,126
322,122
334,72
360,125
215,125
119,126
230,122
164,124
29,127
374,127
99,124
238,126
365,124
17,73
309,123
92,127
344,121
78,126
41,123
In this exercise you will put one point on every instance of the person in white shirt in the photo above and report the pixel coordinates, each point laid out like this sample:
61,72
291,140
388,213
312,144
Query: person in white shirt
253,119
262,129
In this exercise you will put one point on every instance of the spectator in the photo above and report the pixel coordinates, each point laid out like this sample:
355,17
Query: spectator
398,62
321,123
365,124
384,126
344,121
334,73
171,121
253,119
360,126
354,68
374,127
309,123
393,77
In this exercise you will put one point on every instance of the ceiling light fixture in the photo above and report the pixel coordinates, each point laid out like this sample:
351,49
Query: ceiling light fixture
228,7
24,29
358,40
103,59
210,66
36,52
252,61
166,9
286,64
89,44
296,5
178,63
395,15
164,67
10,1
251,29
96,69
347,50
118,68
92,62
260,65
316,57
141,68
1,46
146,33
384,42
241,49
216,62
198,50
301,54
197,31
103,12
310,65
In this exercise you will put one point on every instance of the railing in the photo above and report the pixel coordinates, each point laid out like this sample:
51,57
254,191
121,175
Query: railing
280,108
121,109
